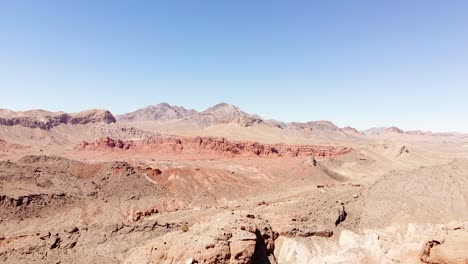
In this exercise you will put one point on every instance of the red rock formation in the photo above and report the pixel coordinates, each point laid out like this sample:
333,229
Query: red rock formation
210,145
105,143
149,171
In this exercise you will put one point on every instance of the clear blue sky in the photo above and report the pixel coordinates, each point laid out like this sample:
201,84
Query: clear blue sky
358,63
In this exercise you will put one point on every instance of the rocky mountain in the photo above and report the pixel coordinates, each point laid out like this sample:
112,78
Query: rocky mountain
160,112
224,113
319,127
46,120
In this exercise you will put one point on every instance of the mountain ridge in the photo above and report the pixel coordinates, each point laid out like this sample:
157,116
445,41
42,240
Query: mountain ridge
219,114
46,120
158,112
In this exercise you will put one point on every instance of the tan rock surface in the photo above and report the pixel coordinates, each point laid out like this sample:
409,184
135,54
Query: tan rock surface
452,248
226,238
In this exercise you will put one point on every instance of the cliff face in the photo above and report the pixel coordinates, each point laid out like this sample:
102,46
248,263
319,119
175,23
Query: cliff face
47,120
210,145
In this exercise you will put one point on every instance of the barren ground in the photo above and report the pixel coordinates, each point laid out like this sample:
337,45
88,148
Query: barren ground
392,199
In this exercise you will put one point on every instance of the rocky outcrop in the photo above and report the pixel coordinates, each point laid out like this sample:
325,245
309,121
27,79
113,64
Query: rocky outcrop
35,185
404,149
92,116
450,249
106,143
209,145
47,120
159,112
75,243
31,205
227,238
307,232
342,214
122,131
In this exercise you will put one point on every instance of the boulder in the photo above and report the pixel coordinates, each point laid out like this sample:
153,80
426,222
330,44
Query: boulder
452,249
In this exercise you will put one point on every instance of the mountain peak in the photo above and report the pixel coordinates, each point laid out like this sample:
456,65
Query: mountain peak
222,105
158,112
224,113
163,104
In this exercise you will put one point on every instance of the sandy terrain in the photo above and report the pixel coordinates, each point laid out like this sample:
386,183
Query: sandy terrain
169,185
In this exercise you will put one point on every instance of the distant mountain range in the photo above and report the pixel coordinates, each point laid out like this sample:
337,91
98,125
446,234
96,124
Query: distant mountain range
220,114
224,113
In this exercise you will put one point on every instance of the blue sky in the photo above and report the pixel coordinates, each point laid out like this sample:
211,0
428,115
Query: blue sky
358,63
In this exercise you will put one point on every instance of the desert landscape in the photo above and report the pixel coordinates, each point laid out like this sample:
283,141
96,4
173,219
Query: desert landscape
166,184
237,132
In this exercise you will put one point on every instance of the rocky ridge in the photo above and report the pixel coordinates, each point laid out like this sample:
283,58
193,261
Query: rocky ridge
46,120
210,145
159,112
